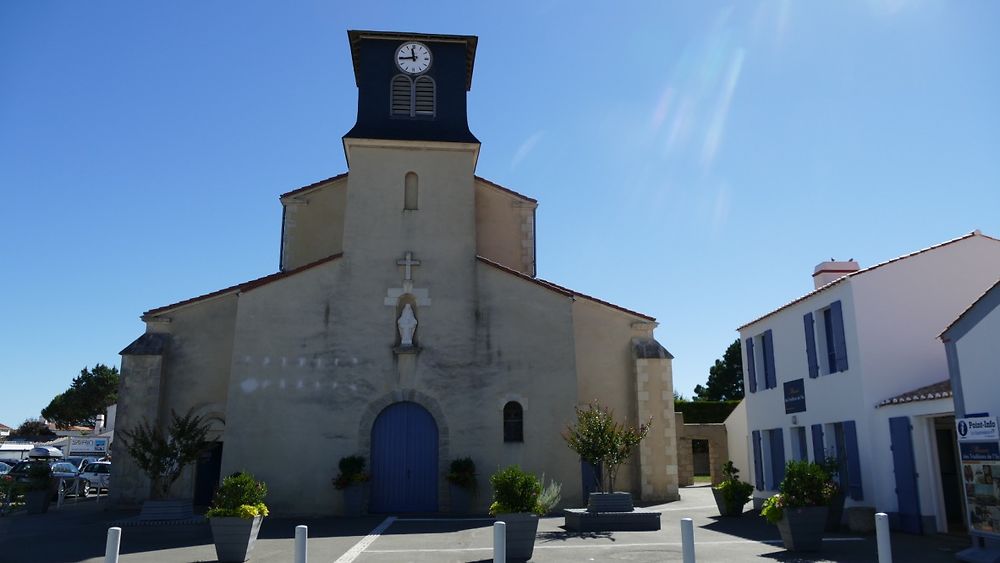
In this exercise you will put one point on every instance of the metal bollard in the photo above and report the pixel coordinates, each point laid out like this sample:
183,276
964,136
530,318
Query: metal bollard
687,539
114,542
61,493
301,544
882,538
499,542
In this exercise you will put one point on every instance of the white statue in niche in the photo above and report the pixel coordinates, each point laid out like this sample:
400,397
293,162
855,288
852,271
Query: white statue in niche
407,326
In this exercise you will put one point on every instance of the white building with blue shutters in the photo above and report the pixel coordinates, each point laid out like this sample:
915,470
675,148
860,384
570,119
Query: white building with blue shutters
853,370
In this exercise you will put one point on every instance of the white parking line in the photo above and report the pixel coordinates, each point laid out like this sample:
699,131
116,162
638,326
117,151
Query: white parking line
445,519
359,547
591,546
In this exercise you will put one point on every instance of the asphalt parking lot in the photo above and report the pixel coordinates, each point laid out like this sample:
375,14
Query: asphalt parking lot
77,533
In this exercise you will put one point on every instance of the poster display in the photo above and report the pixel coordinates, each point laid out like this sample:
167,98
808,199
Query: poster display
980,453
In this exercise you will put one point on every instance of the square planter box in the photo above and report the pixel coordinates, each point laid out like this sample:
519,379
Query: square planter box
802,528
521,530
235,537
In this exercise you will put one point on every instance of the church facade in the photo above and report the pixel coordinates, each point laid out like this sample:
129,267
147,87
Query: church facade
406,325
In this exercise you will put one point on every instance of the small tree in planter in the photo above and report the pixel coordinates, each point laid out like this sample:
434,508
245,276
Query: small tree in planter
236,514
606,445
515,503
38,490
352,479
163,457
800,507
731,494
462,484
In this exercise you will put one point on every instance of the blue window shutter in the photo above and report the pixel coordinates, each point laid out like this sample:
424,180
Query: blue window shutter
853,460
770,381
751,372
758,462
839,341
819,452
807,321
777,457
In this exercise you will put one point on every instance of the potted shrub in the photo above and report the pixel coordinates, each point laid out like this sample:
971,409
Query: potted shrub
515,503
606,445
236,513
162,457
38,489
800,507
462,484
832,466
731,495
352,479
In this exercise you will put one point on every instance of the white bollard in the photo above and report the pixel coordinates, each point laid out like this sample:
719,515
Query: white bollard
301,545
61,494
499,542
687,539
882,538
114,542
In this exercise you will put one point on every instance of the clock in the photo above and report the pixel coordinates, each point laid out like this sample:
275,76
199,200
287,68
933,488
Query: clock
413,57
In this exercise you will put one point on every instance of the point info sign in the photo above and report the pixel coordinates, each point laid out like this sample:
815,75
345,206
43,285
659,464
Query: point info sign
979,446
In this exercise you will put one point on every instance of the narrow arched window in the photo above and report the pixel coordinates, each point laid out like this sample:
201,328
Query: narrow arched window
423,96
513,422
402,95
410,191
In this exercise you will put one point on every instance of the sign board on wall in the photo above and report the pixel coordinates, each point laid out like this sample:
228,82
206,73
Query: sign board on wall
84,445
795,396
979,447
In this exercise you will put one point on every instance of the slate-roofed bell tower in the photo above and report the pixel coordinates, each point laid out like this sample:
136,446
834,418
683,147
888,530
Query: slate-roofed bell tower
412,86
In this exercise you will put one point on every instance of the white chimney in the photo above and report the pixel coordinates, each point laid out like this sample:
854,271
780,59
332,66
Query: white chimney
99,427
827,272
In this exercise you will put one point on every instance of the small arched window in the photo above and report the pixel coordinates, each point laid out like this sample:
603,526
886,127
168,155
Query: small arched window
513,422
409,98
423,96
402,95
410,191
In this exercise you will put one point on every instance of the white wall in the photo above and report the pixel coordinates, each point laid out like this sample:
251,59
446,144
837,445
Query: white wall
977,361
738,438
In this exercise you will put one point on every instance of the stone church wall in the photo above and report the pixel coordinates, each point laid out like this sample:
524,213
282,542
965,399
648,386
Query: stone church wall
314,224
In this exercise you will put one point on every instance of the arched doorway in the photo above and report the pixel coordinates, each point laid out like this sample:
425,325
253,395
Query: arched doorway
404,456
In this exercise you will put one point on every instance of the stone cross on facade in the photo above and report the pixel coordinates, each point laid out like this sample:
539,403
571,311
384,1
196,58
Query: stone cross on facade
409,262
419,294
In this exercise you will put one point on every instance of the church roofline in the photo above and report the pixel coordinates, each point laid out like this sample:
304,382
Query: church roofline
240,287
304,189
564,290
508,190
355,36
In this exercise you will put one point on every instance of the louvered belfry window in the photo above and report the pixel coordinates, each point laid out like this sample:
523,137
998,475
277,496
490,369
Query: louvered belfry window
402,95
413,98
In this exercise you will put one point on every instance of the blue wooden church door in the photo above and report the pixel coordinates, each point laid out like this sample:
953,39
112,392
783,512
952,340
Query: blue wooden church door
904,467
404,460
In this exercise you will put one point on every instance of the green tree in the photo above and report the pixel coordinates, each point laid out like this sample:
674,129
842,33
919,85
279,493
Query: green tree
602,442
90,394
163,456
33,430
725,378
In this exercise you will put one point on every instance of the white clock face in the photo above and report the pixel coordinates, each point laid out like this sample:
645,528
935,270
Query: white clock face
413,58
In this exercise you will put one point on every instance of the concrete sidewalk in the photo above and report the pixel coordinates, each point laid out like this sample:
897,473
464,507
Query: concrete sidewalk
77,533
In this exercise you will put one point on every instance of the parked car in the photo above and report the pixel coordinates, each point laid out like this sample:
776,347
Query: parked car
96,476
58,469
4,468
80,461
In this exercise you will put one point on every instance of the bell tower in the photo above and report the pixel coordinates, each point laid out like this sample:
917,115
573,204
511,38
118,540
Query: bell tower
412,86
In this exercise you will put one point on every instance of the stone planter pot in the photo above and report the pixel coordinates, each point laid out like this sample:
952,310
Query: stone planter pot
836,513
802,528
354,500
461,499
37,502
521,530
733,508
610,502
234,537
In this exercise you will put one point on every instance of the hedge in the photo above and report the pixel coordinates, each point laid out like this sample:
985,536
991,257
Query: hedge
702,412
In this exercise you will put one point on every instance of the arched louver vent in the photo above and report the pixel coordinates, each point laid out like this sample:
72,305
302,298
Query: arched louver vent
402,95
424,96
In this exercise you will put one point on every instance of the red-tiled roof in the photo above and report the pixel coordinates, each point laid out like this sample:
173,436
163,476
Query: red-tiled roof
297,191
939,390
243,287
508,190
5,427
864,271
560,289
969,308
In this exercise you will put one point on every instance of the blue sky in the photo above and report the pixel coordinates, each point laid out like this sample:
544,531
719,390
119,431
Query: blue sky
692,160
